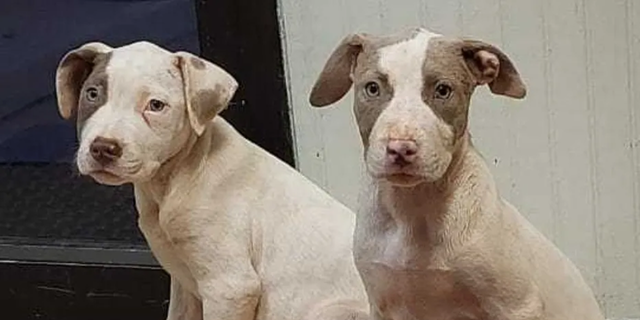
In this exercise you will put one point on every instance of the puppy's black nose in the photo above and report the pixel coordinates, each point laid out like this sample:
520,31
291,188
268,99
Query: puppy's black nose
401,152
105,151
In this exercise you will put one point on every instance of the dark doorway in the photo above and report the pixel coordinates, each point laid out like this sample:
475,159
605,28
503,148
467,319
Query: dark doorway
68,246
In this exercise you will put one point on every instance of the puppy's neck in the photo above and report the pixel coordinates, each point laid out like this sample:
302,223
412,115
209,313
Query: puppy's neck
157,186
200,156
450,204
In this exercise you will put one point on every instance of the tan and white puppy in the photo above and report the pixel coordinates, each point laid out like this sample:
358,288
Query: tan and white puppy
433,238
243,235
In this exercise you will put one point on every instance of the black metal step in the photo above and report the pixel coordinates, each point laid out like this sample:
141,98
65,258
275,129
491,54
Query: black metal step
67,291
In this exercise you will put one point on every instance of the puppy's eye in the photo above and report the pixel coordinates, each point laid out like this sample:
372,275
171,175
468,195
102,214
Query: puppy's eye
443,91
92,94
156,105
372,89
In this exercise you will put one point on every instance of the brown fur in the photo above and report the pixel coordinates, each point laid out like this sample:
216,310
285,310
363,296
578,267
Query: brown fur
433,239
99,80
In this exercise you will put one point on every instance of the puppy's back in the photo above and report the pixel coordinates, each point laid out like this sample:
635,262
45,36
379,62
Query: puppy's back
565,293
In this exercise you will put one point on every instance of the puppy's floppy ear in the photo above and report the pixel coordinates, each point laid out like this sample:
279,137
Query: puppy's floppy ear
491,66
208,89
335,79
73,70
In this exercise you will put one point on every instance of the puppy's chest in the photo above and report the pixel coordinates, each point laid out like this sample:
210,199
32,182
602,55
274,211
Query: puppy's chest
408,281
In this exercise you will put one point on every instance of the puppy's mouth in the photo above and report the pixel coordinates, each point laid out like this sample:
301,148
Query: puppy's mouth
114,174
397,176
103,176
133,172
403,179
408,175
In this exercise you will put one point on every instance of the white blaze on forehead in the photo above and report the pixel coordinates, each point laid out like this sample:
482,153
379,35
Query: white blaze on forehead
140,60
143,68
139,55
402,63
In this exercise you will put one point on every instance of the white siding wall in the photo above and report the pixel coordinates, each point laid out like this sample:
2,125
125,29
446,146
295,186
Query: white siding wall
568,156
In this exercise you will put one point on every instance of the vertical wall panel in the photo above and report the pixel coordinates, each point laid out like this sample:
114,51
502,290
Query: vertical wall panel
527,131
568,155
568,106
304,55
633,29
400,13
609,76
443,16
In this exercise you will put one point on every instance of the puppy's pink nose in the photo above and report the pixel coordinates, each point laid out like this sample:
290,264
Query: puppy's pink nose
104,150
401,152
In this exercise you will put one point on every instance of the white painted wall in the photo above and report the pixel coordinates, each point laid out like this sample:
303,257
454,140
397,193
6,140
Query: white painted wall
568,156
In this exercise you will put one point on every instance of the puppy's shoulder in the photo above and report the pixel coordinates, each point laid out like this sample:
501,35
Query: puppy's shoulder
504,292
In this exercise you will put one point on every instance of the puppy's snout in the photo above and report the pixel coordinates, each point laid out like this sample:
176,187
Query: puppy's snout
401,152
105,151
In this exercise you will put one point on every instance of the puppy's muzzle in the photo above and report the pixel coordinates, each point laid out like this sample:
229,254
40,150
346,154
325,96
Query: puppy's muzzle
401,153
105,151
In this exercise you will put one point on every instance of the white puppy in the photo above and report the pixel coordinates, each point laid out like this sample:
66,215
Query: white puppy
434,240
243,235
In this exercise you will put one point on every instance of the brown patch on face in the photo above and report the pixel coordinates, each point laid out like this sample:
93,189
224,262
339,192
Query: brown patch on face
445,66
197,63
367,110
143,97
97,82
142,100
335,79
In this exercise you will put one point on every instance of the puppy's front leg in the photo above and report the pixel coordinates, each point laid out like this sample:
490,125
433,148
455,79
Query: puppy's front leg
226,282
218,257
230,297
183,305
